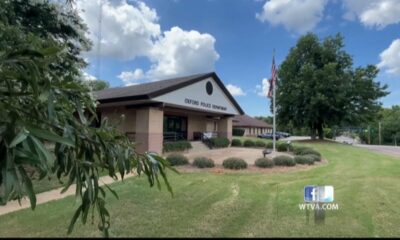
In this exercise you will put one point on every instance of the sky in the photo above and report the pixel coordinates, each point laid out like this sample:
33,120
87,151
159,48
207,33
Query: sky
150,40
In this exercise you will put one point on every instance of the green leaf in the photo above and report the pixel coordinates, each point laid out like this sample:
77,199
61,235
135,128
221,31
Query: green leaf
42,149
28,187
73,220
112,191
21,136
50,51
71,179
47,135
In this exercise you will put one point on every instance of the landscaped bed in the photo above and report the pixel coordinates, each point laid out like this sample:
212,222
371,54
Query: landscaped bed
239,204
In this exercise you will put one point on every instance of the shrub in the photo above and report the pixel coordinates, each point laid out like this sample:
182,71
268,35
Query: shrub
305,151
282,147
264,163
234,163
238,132
328,133
304,159
249,143
203,162
260,143
284,161
298,149
178,146
176,159
314,157
270,145
236,143
219,142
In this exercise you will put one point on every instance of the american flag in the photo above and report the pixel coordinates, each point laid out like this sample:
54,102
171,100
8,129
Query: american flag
272,81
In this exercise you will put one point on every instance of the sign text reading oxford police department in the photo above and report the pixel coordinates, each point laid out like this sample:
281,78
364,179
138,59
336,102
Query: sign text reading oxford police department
204,104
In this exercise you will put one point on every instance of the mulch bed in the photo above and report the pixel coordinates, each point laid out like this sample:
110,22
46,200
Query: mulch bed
218,169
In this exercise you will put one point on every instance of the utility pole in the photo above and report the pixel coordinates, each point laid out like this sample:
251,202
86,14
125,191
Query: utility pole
380,139
369,135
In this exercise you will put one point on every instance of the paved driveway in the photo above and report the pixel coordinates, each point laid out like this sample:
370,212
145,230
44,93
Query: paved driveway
250,155
296,138
389,150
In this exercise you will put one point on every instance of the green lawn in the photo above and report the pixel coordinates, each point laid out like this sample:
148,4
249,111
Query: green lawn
367,189
47,184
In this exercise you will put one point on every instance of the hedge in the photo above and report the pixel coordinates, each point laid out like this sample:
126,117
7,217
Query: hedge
249,143
203,162
304,159
234,163
236,143
306,150
284,161
315,158
219,142
239,132
176,159
260,143
178,146
264,163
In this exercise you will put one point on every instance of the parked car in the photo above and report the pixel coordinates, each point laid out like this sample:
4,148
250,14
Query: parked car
269,136
283,134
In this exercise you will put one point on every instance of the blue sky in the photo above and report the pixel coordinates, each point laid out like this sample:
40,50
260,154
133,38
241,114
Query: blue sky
152,40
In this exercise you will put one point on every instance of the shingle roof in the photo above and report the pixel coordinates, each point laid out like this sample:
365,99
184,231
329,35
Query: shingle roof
154,89
247,121
143,89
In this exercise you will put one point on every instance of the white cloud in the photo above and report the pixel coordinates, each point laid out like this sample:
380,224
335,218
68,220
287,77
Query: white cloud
235,90
295,15
127,30
132,30
390,58
131,77
262,90
87,77
373,13
181,52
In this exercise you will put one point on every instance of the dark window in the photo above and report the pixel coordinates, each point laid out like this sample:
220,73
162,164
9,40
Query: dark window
209,88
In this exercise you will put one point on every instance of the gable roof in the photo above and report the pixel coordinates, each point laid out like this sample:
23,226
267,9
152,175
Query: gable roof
247,121
151,90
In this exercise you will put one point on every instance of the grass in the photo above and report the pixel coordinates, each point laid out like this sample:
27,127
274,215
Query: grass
47,184
367,186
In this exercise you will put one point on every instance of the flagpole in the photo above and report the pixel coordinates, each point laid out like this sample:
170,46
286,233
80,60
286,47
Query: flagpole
274,120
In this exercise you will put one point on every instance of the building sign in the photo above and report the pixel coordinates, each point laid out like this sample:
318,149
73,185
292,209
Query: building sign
204,104
205,95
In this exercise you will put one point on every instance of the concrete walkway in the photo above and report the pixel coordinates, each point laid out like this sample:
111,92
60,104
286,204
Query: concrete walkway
52,195
389,150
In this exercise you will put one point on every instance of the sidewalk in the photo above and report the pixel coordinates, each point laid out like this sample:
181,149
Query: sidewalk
52,195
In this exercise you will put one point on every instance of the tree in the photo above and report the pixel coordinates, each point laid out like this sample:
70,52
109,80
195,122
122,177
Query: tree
390,127
97,85
267,119
318,86
46,112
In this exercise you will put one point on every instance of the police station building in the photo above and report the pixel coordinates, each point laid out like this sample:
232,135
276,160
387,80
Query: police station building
170,110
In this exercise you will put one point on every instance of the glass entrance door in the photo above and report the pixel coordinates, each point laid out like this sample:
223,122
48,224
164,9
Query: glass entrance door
175,128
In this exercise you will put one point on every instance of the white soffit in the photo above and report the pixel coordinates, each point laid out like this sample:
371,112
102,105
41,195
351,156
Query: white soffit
202,97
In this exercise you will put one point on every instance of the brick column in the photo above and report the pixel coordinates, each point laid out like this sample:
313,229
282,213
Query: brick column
225,127
149,130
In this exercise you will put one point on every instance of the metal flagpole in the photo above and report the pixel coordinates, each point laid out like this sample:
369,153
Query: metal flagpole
273,89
